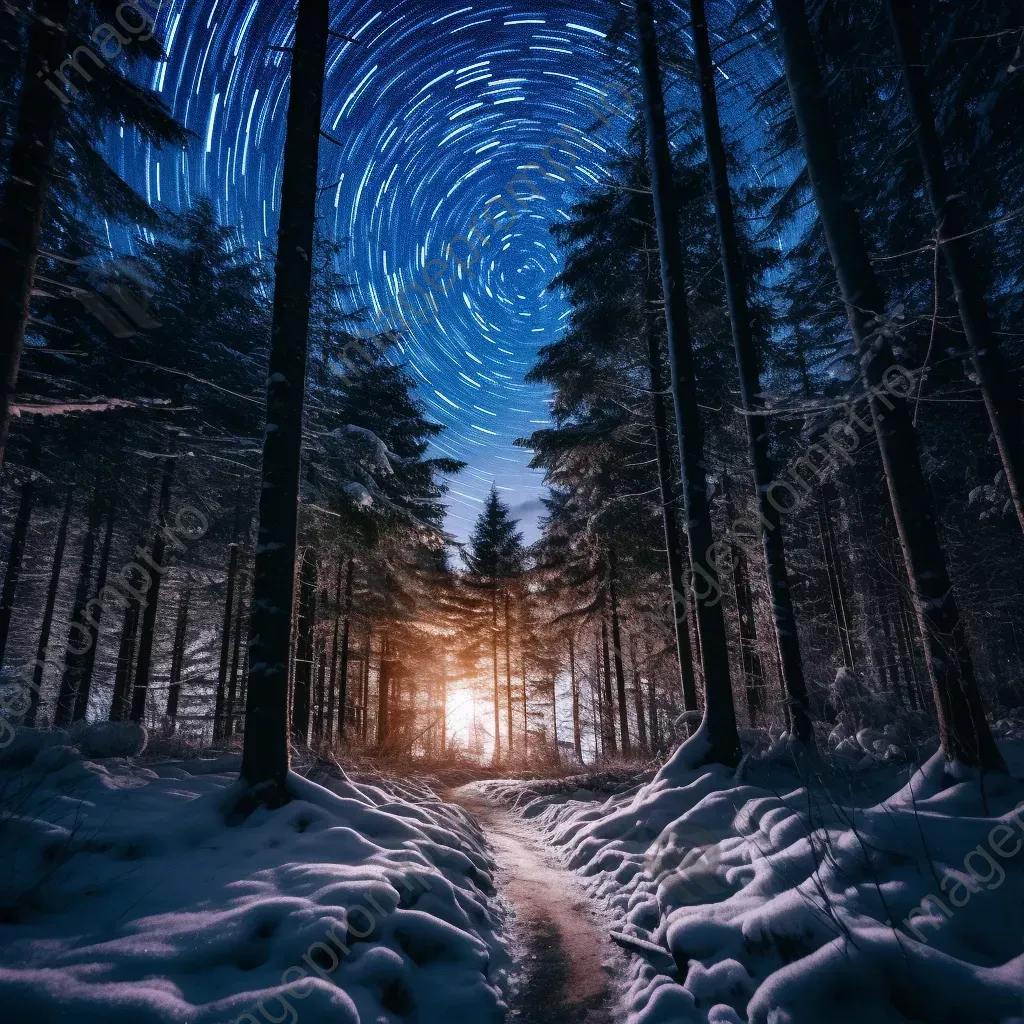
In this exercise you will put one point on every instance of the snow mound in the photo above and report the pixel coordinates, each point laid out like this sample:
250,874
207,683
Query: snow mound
798,894
113,739
127,898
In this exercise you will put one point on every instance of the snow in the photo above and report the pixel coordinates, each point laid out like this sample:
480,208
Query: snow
128,898
794,892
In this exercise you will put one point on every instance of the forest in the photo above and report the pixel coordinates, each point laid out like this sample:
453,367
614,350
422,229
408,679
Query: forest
781,477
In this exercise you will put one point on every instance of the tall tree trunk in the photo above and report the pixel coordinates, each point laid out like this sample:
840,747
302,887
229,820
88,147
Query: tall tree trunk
383,696
494,664
620,675
554,710
747,362
607,720
673,540
16,555
219,728
963,730
364,690
233,702
73,650
125,662
304,649
889,666
526,719
907,656
997,384
595,700
577,740
147,629
51,598
508,672
84,686
321,678
834,574
638,701
443,701
265,753
343,680
27,185
178,657
750,658
652,704
719,715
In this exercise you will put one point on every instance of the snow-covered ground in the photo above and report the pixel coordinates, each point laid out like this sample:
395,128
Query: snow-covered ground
126,898
799,895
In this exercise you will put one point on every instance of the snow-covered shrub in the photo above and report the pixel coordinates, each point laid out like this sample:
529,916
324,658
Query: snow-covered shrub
113,739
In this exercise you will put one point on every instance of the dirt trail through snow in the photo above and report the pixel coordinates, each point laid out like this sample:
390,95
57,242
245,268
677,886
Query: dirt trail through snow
557,943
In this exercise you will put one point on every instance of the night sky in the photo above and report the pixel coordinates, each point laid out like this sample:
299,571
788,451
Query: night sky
437,111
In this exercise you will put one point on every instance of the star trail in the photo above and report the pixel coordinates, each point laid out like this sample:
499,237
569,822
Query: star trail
455,135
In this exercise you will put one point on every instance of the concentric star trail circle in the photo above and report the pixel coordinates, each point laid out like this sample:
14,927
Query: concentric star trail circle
437,112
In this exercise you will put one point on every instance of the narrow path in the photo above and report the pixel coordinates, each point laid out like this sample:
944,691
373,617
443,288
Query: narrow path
557,944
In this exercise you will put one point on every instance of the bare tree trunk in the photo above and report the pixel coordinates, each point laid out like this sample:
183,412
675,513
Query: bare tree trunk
673,540
750,658
907,656
304,649
148,625
508,672
84,686
230,719
608,720
443,700
383,696
576,738
125,663
890,666
265,753
494,663
219,728
652,703
620,675
554,710
526,720
595,698
834,574
719,715
16,555
27,185
365,686
51,597
997,384
963,730
343,680
73,650
321,679
747,362
178,657
638,701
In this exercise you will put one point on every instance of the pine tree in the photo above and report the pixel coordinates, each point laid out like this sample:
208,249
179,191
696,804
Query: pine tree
494,559
737,290
719,715
265,753
963,730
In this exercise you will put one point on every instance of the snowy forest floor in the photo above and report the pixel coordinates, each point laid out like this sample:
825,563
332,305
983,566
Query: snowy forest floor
128,898
798,892
785,893
559,948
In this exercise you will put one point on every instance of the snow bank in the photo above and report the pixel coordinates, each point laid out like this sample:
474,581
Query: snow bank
788,895
128,899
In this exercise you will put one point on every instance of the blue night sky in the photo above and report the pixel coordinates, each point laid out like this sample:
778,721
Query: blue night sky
437,110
